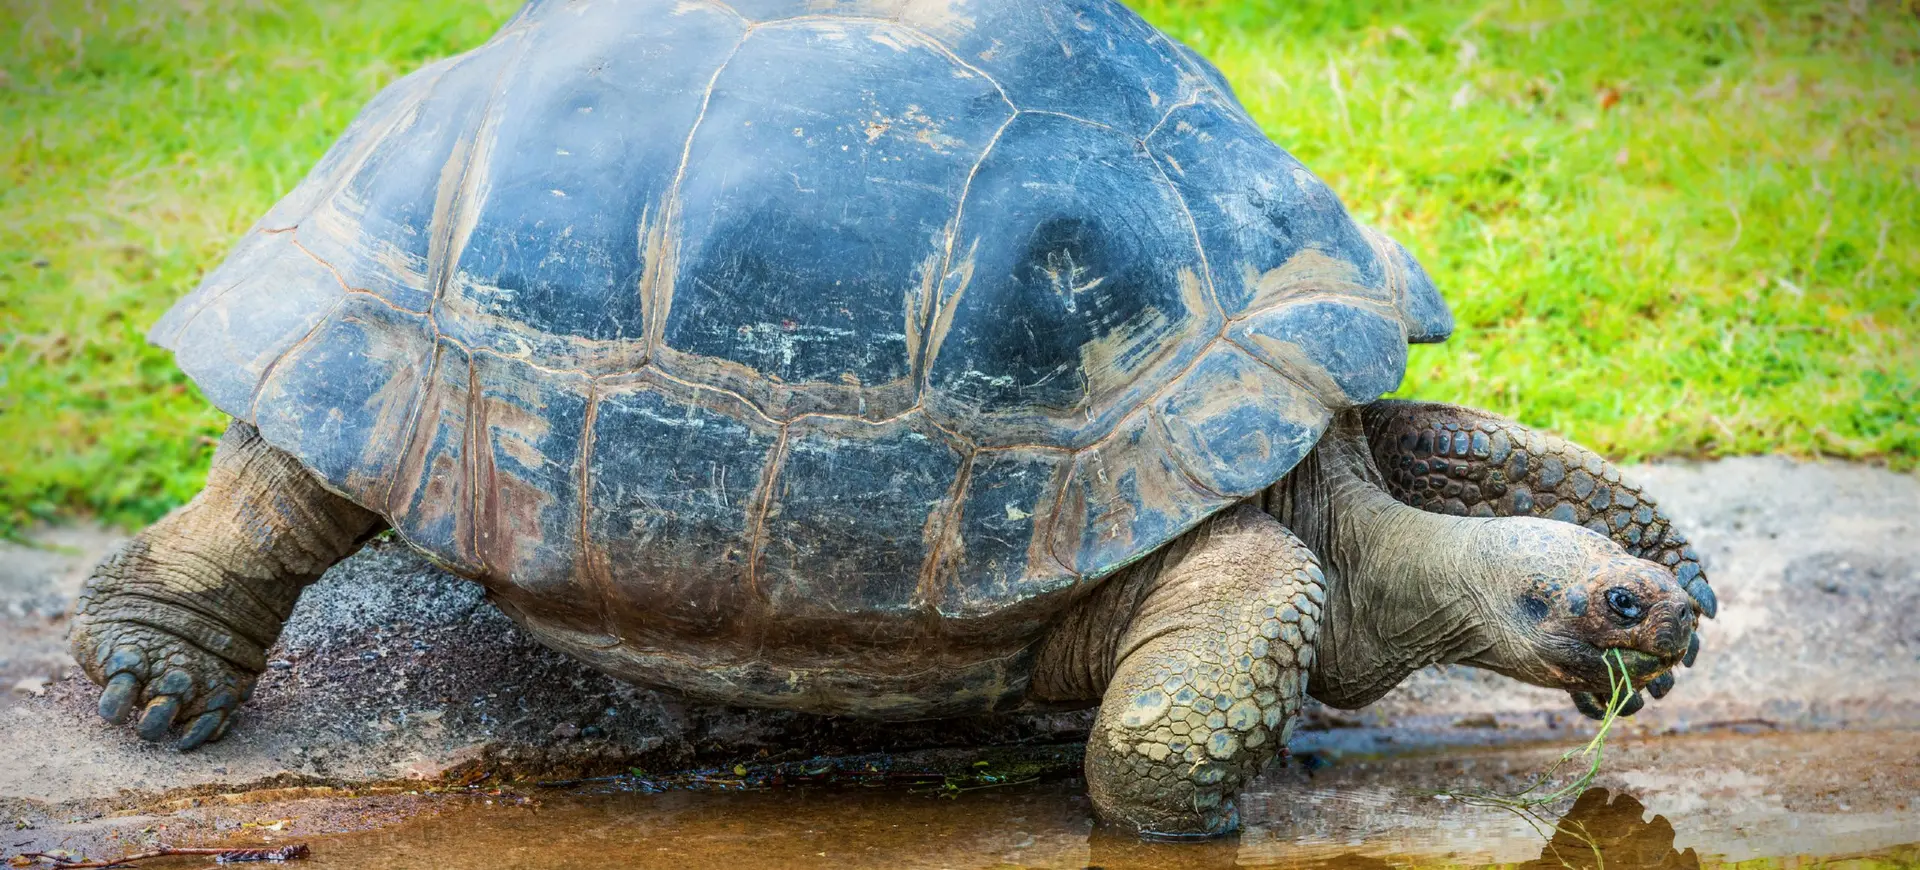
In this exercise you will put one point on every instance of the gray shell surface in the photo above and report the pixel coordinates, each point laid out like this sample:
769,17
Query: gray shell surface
875,324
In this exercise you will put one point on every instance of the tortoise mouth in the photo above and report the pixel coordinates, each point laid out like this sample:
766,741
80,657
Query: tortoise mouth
1642,667
1593,670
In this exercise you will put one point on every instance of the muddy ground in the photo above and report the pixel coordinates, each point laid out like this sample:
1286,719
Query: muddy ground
394,677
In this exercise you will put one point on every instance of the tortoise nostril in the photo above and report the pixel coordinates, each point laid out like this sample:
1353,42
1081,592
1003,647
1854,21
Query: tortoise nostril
1673,633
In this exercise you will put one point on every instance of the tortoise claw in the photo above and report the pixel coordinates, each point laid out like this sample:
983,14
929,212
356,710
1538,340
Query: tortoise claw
1661,685
204,728
1593,708
1588,705
158,719
117,701
1703,596
124,669
167,693
210,725
1693,650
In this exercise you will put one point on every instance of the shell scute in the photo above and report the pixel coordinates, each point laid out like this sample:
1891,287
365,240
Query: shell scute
395,105
786,287
527,445
1235,424
1271,229
675,486
1075,289
377,227
1426,315
345,397
1348,354
847,526
431,500
1090,59
579,152
261,303
1127,495
1001,576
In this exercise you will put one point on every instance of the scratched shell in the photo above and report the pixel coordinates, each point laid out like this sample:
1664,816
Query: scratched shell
871,325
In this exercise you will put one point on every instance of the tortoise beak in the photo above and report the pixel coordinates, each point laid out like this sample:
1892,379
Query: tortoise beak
1641,667
1669,629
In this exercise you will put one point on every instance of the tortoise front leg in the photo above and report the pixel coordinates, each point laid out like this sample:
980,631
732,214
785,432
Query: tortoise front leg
178,622
1462,461
1201,654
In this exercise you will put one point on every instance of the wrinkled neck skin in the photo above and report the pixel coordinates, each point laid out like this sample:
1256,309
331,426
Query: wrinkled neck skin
1406,588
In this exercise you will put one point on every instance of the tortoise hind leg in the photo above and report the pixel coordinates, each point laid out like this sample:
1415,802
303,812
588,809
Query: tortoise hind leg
1207,645
180,619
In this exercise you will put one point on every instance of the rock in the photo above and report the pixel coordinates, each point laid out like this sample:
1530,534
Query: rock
436,769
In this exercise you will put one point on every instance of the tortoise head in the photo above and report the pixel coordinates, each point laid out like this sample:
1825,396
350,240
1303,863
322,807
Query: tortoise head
1574,600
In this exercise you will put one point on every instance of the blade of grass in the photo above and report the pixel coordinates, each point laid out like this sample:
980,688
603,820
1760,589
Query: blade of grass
1594,750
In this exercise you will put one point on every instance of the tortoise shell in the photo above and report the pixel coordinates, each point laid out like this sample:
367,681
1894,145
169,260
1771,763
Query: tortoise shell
864,325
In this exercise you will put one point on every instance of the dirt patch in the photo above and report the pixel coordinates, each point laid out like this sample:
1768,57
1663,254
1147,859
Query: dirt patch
37,584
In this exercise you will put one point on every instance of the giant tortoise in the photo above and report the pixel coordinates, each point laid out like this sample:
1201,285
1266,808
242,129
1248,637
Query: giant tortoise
885,358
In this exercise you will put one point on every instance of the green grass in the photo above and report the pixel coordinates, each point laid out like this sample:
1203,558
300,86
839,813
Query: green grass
1665,228
1543,794
143,137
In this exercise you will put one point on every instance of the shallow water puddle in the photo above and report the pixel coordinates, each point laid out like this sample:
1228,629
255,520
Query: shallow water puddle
1790,800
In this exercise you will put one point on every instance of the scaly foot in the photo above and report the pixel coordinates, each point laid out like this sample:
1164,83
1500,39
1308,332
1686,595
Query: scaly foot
162,681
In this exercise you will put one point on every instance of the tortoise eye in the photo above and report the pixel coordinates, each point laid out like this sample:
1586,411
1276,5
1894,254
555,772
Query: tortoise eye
1625,604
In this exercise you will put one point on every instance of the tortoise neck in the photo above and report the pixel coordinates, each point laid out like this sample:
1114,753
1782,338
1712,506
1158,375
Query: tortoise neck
1401,582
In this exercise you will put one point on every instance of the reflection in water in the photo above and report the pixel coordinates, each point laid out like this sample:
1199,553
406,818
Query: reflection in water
1600,831
1110,848
1762,801
1597,834
1045,825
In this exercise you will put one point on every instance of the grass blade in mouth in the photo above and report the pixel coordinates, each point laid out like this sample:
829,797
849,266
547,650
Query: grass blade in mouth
1539,793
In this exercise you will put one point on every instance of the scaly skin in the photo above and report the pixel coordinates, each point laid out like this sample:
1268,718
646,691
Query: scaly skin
1207,679
1466,462
178,622
1519,596
1201,651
